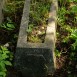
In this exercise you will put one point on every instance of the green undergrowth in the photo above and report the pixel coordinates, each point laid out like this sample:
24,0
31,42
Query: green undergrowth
66,44
12,12
13,9
5,60
9,29
38,19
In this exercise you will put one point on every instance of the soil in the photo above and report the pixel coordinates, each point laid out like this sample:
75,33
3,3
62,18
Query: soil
38,20
37,34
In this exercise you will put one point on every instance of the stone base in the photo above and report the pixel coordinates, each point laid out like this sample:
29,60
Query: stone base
34,62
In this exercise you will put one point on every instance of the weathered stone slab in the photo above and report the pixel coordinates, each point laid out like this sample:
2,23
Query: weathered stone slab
36,59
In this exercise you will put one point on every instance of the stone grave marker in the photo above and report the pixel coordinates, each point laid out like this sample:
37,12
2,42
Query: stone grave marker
36,59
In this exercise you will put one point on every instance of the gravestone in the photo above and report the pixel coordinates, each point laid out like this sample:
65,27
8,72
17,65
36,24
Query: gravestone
36,59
